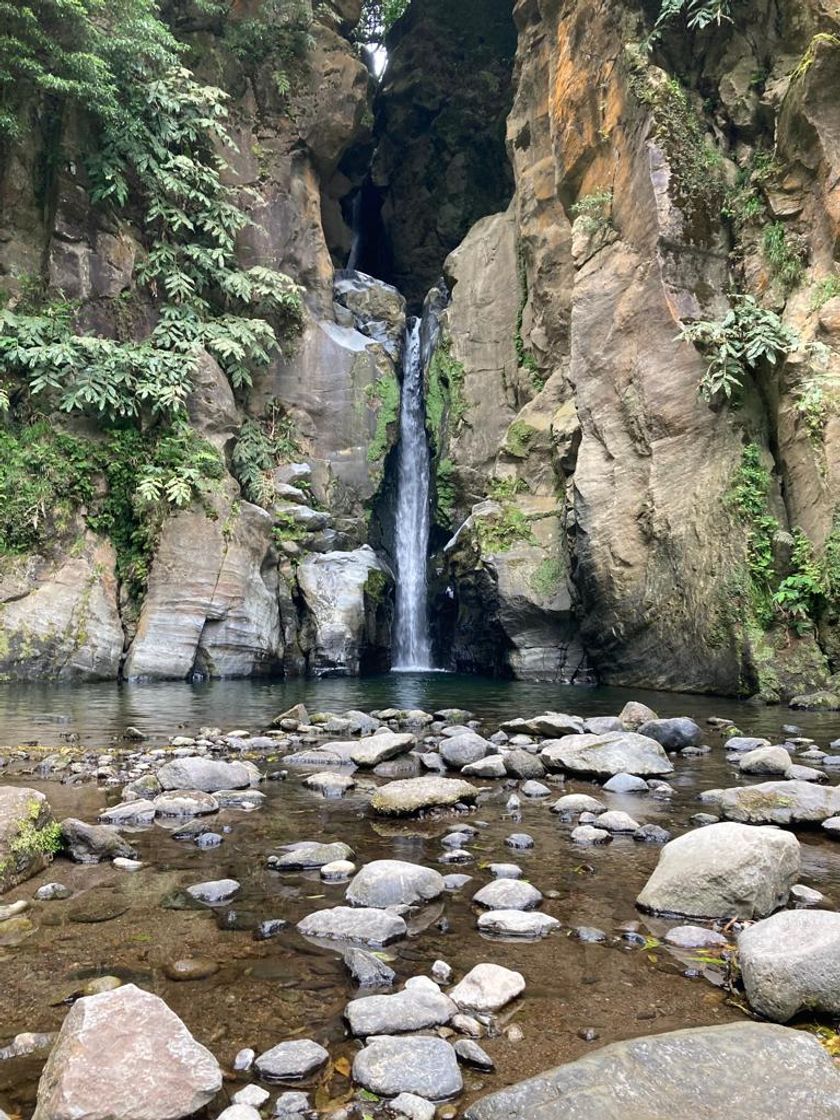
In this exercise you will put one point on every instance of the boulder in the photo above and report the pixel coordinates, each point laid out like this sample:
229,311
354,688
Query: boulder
785,803
723,870
520,763
462,750
554,724
426,1066
573,804
516,923
368,970
92,843
412,795
347,598
28,835
124,1055
743,744
310,854
765,760
290,1061
393,882
488,987
378,748
413,1009
138,814
770,1071
673,734
790,962
617,752
206,774
184,803
347,923
634,714
508,894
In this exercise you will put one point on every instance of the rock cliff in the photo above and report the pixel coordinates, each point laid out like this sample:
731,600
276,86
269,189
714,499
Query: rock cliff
608,207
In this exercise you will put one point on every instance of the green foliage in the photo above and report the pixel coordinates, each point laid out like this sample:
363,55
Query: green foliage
806,62
548,576
697,180
737,345
518,439
799,596
697,14
47,477
377,19
78,51
444,492
593,211
500,534
525,358
748,498
445,400
506,489
31,841
44,477
261,446
783,255
161,134
824,290
383,396
279,36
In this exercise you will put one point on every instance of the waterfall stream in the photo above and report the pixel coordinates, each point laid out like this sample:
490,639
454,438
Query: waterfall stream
411,646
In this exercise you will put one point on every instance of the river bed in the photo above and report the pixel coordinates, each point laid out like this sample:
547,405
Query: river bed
269,991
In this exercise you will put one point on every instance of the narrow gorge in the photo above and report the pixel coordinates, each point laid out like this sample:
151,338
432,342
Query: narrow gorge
419,559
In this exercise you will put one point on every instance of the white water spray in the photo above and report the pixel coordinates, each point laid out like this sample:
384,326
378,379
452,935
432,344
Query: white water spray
411,625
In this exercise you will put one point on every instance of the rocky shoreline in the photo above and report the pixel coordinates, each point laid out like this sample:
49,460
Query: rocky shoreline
724,893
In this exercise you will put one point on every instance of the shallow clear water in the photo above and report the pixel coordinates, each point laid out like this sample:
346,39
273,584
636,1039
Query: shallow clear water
269,991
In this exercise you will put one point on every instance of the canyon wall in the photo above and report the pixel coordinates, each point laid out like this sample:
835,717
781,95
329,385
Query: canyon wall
582,196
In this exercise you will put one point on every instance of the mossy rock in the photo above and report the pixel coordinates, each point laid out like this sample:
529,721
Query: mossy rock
29,836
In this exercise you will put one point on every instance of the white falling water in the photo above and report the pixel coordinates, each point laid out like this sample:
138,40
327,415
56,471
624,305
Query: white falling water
411,624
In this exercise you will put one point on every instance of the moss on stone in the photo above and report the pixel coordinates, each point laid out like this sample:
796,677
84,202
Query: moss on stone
500,534
383,396
519,438
376,586
548,576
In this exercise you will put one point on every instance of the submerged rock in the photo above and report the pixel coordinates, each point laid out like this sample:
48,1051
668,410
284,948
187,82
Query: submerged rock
124,1055
368,970
723,871
770,1071
674,734
310,854
516,923
790,962
412,795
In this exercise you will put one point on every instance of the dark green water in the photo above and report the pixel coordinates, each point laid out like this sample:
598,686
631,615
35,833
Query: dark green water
47,712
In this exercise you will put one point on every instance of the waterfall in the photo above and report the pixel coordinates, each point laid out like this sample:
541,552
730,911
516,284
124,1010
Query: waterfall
411,625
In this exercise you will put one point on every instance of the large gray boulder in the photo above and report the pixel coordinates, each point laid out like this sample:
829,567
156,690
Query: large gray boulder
347,598
93,843
723,870
770,1071
674,734
393,882
416,1008
766,760
364,925
463,750
790,962
369,752
786,803
310,854
425,1066
412,795
124,1055
28,834
617,752
206,774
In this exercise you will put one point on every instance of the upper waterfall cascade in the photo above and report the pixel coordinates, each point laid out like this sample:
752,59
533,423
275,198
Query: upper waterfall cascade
411,644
